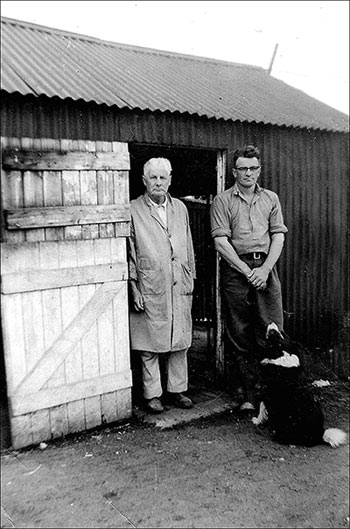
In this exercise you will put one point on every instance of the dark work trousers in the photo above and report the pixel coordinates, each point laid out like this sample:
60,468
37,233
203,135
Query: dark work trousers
247,313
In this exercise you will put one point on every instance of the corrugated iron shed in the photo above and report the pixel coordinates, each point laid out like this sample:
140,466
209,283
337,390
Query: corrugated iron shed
38,60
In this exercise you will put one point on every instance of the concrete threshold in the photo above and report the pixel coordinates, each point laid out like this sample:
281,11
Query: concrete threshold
206,404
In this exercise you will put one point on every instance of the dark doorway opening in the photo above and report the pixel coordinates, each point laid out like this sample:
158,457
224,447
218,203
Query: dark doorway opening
194,170
194,181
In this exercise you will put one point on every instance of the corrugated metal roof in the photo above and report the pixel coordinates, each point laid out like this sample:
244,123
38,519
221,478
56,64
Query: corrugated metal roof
44,61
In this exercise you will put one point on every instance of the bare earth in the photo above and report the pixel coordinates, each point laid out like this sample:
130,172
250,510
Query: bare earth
215,472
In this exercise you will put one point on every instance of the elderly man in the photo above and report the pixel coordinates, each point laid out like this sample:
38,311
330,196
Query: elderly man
248,230
161,271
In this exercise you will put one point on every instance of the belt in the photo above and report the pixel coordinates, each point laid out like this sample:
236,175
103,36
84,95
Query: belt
254,255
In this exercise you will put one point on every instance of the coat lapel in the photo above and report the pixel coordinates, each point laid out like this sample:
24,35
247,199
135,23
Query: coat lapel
170,215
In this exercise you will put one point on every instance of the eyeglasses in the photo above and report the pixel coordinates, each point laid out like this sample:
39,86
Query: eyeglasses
244,170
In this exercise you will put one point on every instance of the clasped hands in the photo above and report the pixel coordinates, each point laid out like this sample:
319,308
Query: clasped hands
258,278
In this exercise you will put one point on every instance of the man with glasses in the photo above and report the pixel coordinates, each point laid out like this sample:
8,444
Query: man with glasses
248,230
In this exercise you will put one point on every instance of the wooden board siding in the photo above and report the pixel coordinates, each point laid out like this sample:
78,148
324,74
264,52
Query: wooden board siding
45,217
64,291
54,204
54,160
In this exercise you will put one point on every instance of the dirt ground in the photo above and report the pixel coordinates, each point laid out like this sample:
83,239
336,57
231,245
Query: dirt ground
218,472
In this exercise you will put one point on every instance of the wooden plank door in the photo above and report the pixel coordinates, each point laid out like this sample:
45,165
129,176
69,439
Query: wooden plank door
65,219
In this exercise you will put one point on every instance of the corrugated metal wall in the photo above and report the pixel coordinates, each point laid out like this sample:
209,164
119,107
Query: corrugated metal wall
308,169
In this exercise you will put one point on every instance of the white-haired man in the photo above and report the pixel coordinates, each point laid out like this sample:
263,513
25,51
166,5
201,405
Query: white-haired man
161,272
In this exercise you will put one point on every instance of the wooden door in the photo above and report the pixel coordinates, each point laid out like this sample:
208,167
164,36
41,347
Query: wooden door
64,286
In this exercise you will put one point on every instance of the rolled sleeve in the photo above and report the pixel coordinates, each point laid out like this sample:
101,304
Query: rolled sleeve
219,219
276,219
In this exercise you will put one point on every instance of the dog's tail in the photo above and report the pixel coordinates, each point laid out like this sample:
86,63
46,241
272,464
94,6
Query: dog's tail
334,436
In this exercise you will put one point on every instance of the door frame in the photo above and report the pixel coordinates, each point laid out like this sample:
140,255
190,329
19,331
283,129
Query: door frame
219,328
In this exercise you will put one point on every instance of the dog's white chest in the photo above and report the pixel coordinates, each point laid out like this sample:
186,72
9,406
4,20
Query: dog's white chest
286,360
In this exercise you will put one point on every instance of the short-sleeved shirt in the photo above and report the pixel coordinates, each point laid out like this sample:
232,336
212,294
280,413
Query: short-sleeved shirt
247,226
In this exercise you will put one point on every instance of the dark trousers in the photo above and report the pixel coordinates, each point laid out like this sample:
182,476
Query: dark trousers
247,313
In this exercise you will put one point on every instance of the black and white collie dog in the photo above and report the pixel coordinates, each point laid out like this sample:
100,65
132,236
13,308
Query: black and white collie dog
288,405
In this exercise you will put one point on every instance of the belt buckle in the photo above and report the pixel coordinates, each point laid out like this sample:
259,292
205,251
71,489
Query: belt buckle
256,255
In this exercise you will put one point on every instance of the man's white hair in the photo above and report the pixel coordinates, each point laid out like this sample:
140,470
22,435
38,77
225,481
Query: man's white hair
156,163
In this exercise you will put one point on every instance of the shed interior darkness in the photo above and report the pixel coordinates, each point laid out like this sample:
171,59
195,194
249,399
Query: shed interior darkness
193,174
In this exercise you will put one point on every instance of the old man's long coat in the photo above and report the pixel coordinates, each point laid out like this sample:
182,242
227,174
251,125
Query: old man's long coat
161,260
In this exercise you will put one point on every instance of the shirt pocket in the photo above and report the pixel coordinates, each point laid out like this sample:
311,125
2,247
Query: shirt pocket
186,280
151,277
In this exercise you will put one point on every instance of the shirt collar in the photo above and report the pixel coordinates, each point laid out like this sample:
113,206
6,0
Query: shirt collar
151,202
236,190
159,205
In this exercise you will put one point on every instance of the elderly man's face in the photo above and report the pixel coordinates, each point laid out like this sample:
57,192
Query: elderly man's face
157,183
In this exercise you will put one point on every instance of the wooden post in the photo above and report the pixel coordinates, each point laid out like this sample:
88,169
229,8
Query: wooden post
219,343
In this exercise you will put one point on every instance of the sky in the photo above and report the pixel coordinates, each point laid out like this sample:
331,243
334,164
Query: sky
312,37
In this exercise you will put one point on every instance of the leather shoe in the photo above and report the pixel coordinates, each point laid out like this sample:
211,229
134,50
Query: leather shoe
180,401
154,405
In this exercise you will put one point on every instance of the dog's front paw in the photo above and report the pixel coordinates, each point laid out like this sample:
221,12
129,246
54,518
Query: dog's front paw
255,420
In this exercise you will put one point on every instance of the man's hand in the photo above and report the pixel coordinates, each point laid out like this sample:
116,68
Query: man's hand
137,297
258,277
